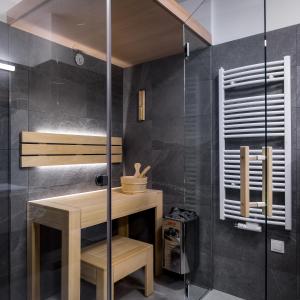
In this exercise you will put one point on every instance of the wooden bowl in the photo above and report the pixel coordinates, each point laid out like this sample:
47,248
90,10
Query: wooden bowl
133,185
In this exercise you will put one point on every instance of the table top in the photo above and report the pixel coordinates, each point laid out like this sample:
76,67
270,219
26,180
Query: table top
92,205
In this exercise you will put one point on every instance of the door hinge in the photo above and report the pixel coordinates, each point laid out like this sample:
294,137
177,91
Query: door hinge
187,50
187,289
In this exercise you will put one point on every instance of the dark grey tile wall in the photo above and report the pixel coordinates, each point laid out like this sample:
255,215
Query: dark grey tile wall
159,140
175,139
239,256
49,92
230,260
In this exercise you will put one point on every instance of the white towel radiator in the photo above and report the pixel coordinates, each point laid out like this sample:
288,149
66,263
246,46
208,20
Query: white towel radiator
242,118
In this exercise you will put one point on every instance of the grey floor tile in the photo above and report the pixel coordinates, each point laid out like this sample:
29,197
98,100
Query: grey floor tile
217,295
132,288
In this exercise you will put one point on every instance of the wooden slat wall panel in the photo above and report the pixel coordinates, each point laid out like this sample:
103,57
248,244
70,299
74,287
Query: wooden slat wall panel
56,160
50,149
53,138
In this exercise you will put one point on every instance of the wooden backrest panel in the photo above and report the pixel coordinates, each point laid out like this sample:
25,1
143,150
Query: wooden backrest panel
55,138
56,149
50,149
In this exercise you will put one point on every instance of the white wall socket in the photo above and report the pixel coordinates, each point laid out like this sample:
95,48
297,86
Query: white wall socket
277,246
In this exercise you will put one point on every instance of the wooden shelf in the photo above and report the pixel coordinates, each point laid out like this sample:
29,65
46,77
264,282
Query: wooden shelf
142,30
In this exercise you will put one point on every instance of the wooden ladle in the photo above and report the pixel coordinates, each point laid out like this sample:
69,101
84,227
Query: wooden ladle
137,167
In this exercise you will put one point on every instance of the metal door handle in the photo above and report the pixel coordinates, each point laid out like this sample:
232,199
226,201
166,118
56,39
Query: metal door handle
267,181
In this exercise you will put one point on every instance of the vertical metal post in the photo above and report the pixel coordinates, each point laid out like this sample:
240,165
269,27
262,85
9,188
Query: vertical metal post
108,143
221,143
266,145
288,142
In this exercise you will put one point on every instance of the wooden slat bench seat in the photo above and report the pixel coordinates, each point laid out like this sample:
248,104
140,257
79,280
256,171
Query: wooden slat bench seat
128,256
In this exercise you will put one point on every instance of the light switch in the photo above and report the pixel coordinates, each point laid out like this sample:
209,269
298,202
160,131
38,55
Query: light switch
277,246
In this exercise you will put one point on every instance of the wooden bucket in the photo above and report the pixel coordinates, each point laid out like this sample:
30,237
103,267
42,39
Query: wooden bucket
133,185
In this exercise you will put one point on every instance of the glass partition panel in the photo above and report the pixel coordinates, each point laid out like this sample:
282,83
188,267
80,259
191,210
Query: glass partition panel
282,56
4,165
153,121
224,116
57,146
198,166
216,121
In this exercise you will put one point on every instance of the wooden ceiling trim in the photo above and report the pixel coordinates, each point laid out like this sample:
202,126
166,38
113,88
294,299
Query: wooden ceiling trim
184,16
69,43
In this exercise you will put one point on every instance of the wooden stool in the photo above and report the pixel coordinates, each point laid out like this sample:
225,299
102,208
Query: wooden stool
127,257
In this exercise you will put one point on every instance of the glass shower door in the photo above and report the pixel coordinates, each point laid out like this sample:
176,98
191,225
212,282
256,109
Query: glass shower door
198,165
282,56
226,158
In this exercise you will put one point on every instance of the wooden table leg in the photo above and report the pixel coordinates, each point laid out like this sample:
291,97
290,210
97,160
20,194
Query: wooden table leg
123,226
71,252
33,260
158,239
149,273
101,284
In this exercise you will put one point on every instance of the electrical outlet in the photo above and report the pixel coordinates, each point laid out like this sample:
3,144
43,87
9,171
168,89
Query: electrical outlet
277,246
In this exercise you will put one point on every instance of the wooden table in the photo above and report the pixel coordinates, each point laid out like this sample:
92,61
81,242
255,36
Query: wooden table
70,214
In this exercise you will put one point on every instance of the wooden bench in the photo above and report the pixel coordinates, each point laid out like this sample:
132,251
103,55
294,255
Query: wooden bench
127,257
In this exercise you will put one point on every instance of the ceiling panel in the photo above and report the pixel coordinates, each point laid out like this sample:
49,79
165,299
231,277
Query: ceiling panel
142,30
